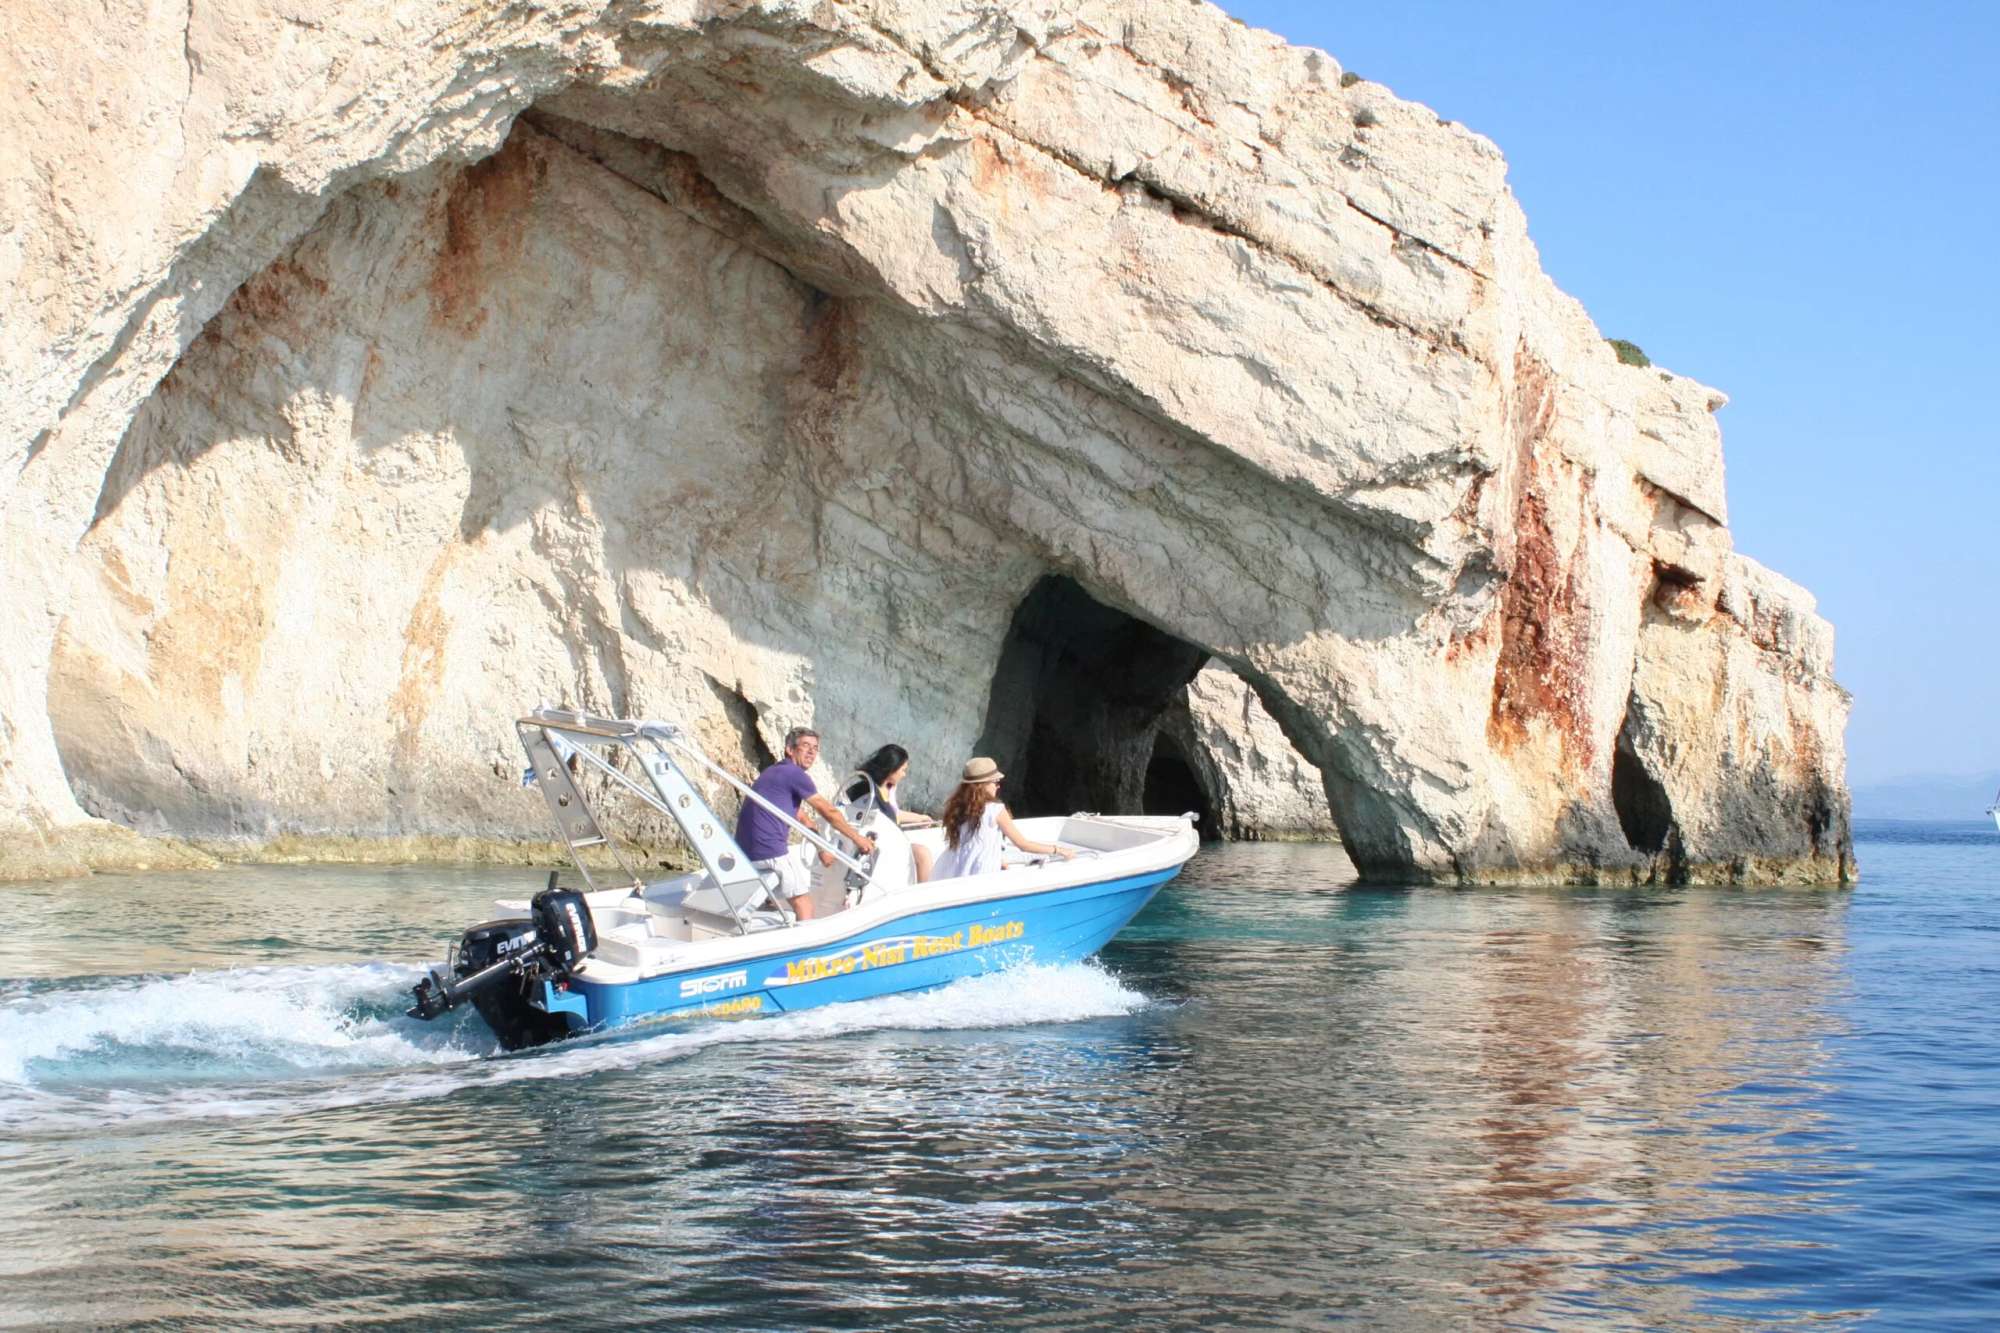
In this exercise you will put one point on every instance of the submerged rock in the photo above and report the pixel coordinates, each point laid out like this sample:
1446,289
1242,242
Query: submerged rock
372,374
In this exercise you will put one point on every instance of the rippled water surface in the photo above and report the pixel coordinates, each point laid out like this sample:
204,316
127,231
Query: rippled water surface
1277,1100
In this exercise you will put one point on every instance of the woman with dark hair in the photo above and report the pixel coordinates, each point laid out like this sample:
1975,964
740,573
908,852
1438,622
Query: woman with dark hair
887,768
975,821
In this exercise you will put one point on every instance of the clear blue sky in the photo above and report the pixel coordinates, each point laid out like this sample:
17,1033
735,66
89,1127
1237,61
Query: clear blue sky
1800,205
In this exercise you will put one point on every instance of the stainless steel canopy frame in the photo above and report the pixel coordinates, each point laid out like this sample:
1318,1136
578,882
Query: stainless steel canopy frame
554,738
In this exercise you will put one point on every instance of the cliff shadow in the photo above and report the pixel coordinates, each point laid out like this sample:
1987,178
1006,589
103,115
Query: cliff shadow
463,403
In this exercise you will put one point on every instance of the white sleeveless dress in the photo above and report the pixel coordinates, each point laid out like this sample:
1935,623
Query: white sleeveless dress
978,848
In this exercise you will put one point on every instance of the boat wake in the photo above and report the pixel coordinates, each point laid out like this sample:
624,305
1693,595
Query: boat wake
82,1052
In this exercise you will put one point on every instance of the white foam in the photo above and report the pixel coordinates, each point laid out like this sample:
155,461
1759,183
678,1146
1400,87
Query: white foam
1064,993
293,1017
252,1016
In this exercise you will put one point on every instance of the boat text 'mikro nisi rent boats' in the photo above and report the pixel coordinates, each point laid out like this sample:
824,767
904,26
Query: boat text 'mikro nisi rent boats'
718,942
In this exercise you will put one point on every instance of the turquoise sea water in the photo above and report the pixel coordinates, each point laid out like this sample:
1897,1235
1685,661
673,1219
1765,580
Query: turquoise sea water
1277,1101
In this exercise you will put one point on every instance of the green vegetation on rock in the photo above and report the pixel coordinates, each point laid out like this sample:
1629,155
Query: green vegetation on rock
1629,352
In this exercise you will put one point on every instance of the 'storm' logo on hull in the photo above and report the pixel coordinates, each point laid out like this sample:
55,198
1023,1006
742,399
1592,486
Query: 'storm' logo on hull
696,987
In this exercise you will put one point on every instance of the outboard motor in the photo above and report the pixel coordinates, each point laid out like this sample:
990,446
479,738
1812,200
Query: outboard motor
563,925
557,936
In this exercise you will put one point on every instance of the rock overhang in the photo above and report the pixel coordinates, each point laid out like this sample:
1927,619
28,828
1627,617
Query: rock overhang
1129,294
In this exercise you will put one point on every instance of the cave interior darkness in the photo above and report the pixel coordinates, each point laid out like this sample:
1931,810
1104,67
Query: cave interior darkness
1077,706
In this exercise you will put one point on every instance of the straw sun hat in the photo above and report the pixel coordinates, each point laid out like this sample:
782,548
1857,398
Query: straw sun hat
981,769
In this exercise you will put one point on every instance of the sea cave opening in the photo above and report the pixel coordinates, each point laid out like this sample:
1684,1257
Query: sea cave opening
1172,787
1079,699
1644,811
1076,710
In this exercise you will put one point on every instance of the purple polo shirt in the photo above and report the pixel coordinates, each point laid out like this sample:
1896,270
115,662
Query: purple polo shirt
761,834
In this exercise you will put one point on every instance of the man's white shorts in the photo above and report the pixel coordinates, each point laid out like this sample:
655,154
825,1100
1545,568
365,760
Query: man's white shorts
794,874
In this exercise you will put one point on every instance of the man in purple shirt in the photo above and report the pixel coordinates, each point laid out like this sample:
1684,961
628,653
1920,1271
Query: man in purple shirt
766,839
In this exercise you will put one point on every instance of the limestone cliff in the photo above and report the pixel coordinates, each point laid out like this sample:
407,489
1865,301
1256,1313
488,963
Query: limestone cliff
371,373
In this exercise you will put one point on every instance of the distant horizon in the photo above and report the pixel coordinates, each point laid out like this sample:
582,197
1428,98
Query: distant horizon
1795,205
1928,798
1911,819
1973,775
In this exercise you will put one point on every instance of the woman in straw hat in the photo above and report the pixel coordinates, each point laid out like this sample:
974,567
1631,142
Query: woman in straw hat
974,821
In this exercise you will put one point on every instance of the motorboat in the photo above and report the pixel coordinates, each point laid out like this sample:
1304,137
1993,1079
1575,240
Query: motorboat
717,942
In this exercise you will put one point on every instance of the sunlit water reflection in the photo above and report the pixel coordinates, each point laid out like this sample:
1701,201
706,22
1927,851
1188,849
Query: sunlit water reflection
1278,1099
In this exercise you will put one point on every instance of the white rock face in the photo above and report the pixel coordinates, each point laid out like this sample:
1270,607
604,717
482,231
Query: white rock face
371,374
1261,788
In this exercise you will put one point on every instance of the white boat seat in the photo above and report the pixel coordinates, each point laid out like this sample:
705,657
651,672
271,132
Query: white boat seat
702,926
741,896
1096,835
711,926
641,945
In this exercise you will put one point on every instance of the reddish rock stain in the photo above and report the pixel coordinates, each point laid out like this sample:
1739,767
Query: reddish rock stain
277,292
485,218
1542,669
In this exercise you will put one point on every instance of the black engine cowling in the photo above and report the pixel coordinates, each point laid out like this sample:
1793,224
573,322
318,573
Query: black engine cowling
490,941
562,921
500,966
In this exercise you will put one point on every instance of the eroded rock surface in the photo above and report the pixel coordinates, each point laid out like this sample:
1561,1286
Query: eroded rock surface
371,374
1257,786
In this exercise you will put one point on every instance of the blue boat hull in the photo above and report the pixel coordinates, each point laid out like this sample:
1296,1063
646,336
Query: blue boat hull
915,952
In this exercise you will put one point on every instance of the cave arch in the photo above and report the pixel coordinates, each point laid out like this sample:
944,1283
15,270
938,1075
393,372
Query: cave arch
1089,703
